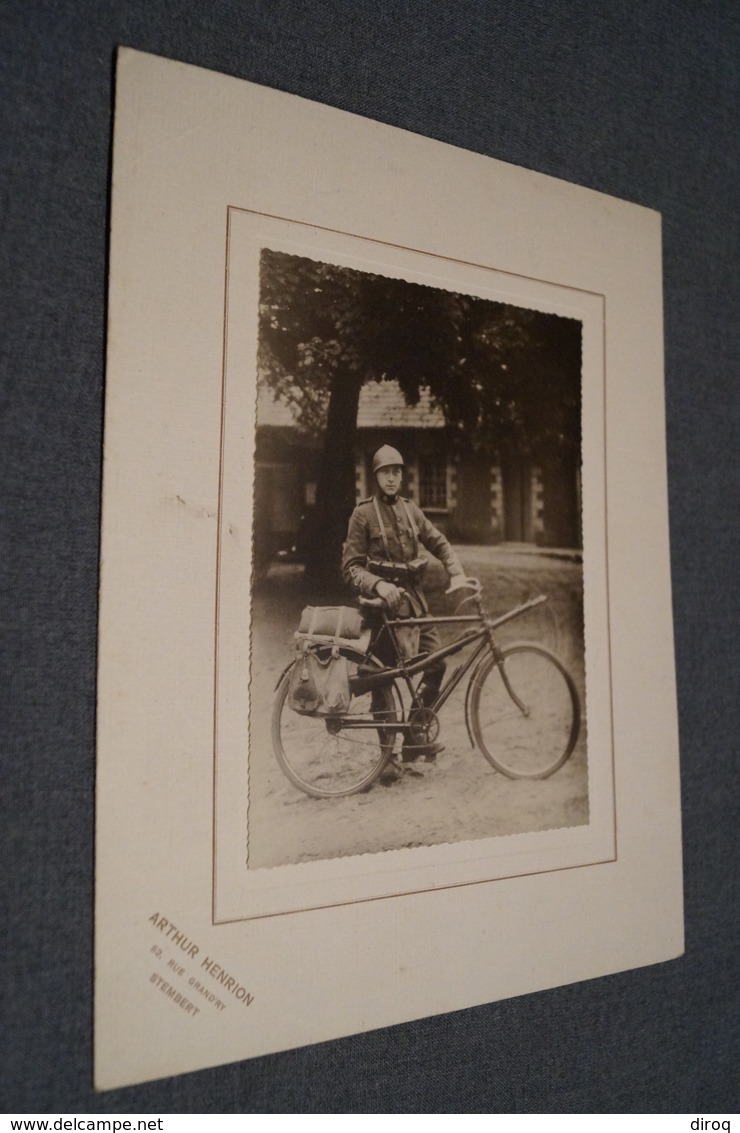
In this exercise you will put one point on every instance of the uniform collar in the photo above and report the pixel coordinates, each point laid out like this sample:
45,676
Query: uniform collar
390,500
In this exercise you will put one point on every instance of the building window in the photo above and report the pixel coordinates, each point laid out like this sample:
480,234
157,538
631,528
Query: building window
432,483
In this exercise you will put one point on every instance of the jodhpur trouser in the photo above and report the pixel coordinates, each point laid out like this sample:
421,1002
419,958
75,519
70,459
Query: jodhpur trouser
429,640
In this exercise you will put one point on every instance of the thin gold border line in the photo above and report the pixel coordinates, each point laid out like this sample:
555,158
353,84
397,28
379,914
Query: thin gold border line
417,251
467,263
217,596
412,892
608,592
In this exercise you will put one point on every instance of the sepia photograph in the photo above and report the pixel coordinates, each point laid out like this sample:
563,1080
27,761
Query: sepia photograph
417,636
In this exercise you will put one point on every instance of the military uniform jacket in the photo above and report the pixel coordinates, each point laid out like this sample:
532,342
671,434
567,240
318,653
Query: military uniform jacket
406,528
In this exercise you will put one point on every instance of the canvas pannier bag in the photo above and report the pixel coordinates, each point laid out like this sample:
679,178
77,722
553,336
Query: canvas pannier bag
319,680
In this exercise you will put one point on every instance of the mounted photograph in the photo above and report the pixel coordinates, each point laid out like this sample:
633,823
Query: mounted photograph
417,589
385,656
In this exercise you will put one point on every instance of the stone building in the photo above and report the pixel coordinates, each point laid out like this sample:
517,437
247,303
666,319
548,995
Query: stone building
472,498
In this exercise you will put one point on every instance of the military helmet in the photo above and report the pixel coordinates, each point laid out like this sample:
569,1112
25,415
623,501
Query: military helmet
386,456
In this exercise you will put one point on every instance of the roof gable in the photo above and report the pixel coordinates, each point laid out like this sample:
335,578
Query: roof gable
382,405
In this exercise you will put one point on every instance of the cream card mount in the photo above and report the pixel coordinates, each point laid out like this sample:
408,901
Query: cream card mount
235,913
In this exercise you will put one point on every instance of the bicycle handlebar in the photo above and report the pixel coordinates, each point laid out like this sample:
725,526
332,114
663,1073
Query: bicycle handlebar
466,584
381,604
375,603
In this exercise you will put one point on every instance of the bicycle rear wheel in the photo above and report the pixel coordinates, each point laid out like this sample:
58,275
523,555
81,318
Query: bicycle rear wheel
333,756
525,712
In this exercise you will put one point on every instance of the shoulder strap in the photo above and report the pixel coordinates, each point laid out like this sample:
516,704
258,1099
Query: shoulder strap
412,525
386,547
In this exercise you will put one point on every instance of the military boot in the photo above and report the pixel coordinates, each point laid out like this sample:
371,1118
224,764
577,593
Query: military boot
414,748
428,751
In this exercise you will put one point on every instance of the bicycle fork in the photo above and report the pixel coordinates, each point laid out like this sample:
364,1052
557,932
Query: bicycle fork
498,660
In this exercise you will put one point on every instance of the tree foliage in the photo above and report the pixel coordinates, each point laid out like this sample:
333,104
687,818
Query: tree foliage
503,375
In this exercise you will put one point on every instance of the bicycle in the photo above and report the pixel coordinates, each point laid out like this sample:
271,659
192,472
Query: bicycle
522,691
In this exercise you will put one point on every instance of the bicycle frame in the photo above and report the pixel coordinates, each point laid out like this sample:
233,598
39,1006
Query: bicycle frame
522,708
406,670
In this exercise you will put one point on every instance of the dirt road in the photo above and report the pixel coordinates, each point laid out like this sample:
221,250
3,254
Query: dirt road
458,798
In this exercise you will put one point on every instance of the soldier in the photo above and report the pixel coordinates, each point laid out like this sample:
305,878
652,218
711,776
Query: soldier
381,559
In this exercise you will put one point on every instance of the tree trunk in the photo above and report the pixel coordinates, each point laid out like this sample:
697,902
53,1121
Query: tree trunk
335,490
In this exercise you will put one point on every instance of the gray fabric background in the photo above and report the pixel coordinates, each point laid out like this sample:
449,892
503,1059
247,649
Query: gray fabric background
637,99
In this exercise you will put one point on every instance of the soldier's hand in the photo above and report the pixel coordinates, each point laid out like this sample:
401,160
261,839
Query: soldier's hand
390,594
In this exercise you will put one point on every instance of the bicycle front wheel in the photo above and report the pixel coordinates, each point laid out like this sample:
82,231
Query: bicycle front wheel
333,756
525,712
